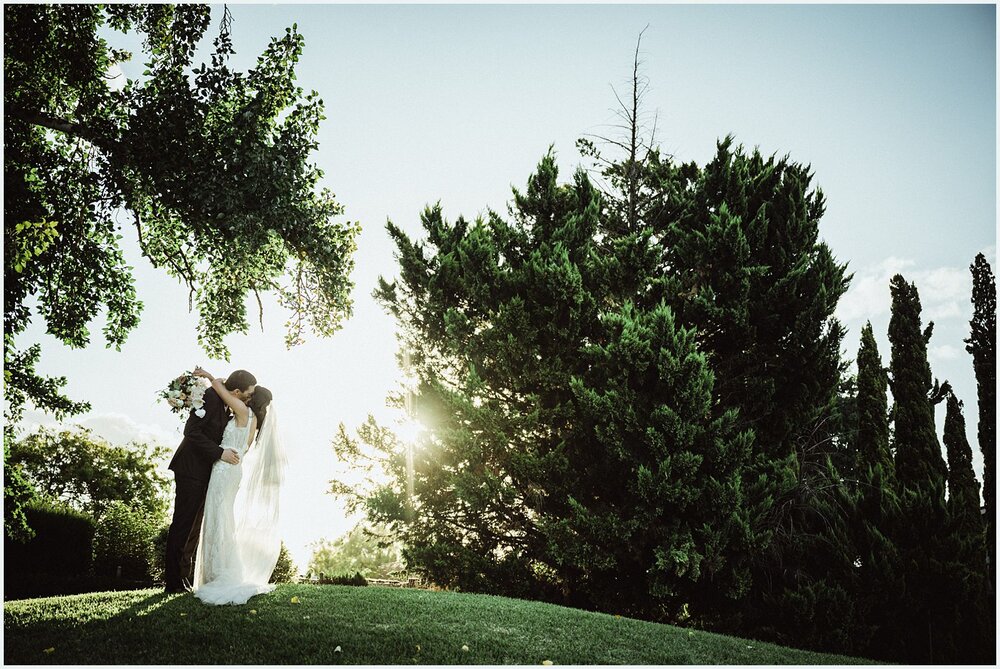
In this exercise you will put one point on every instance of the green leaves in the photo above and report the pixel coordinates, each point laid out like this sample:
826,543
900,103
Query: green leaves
30,240
90,474
213,169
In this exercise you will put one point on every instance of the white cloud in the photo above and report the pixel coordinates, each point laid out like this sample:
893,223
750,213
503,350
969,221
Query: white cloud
118,428
945,292
944,352
115,428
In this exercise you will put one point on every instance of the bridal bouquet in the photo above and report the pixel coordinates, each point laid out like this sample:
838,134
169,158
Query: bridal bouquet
185,393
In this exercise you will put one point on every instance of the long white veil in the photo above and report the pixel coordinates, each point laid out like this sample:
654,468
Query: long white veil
259,501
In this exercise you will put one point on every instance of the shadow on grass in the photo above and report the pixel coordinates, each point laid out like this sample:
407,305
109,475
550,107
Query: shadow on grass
307,624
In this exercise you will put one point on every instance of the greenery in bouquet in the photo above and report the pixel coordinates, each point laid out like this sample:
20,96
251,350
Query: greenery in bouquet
186,393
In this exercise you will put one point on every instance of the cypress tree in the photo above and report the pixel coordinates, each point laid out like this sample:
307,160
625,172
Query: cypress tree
970,599
963,488
925,617
872,439
875,508
982,345
919,465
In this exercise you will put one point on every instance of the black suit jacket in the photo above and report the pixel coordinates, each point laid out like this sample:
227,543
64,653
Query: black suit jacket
200,447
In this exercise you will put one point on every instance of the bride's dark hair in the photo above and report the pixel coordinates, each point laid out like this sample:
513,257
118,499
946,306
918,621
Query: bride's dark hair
258,404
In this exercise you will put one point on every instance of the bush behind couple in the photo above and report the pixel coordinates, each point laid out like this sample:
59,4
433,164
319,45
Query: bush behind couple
192,465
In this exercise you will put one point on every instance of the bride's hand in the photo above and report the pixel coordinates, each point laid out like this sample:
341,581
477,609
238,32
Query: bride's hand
198,371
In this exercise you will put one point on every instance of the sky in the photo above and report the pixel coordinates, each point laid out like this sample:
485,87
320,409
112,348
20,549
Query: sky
893,106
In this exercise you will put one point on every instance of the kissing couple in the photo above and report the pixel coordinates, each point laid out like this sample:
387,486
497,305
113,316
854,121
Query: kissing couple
235,538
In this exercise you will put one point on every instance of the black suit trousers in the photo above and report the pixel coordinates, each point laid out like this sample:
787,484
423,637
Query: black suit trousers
185,527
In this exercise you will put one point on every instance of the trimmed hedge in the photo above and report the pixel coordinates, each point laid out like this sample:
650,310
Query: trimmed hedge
63,543
345,579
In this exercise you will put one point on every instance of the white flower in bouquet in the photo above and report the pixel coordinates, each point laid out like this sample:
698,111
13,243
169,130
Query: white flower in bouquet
186,393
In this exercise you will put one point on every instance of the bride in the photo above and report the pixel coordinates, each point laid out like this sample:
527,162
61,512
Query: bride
239,543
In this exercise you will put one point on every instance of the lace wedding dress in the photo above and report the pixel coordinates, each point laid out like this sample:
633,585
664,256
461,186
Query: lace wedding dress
239,545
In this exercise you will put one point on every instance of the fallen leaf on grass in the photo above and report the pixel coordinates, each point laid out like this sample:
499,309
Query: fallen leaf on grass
617,616
337,649
418,647
253,612
547,663
49,650
305,617
183,614
750,647
465,649
295,600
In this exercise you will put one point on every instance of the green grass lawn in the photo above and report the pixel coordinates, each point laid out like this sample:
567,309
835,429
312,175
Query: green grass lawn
345,625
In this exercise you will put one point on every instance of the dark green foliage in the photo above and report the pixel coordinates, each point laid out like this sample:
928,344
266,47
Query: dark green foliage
87,473
920,468
572,450
874,509
345,579
940,613
813,601
17,492
982,345
124,542
284,570
963,488
970,591
872,439
63,542
744,265
158,564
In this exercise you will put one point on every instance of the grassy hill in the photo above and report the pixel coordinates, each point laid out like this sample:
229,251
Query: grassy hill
305,624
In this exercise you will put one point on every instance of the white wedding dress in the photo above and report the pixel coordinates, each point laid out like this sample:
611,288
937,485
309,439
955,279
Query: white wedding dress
239,545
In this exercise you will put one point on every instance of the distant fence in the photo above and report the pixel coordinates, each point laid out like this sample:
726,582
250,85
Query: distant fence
406,582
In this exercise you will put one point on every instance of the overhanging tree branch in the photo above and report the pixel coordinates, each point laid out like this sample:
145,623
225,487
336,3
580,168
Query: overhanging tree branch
44,120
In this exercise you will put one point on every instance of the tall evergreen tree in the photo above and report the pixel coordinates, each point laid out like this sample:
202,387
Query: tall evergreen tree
970,598
919,465
571,451
925,618
872,439
741,261
963,488
982,345
875,507
746,266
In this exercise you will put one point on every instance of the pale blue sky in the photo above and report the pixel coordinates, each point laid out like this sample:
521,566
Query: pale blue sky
893,106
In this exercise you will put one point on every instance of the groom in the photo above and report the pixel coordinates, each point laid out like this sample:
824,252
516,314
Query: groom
192,466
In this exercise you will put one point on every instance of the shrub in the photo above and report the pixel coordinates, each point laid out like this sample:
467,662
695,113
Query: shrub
285,570
345,579
125,538
159,558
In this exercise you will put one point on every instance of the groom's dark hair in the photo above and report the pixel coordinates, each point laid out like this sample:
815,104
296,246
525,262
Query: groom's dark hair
241,379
